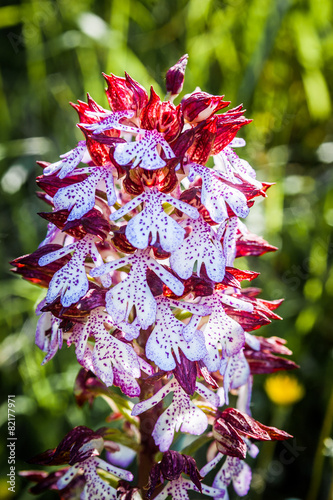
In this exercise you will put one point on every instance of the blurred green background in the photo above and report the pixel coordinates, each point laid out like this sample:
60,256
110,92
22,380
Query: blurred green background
275,56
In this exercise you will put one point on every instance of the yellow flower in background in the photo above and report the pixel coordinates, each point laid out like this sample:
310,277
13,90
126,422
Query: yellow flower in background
284,389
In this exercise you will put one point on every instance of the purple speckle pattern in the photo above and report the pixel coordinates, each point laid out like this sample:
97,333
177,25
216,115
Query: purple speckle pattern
134,291
68,162
202,247
79,198
236,471
111,359
144,150
110,121
144,227
71,280
181,414
178,490
95,488
215,194
221,332
167,339
238,166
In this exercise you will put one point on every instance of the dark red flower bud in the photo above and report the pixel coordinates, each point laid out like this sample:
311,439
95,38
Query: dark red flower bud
172,465
52,183
125,94
95,297
200,287
121,242
250,244
175,76
162,116
98,150
228,440
264,362
227,126
204,139
199,106
91,223
71,450
27,265
86,110
155,283
232,425
234,276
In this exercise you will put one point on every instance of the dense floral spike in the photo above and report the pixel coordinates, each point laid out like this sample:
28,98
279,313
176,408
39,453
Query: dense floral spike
155,290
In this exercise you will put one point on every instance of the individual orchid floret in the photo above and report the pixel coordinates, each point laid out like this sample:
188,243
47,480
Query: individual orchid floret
95,488
233,470
202,246
172,465
134,289
143,228
215,194
69,161
49,335
80,449
182,413
221,330
112,360
174,79
170,468
236,471
79,198
71,280
166,340
146,151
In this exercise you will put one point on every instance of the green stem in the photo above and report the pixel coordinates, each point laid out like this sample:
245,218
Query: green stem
319,457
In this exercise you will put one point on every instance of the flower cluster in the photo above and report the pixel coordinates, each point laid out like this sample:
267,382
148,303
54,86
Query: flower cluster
139,267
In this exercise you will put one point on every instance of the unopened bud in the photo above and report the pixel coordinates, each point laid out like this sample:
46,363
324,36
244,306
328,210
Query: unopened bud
199,106
175,76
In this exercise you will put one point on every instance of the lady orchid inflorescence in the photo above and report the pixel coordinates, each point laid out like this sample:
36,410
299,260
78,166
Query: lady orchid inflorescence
139,268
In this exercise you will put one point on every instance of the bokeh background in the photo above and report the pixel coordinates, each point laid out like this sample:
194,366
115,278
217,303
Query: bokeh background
276,57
